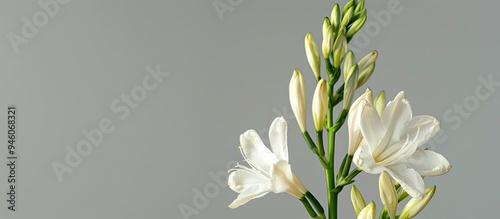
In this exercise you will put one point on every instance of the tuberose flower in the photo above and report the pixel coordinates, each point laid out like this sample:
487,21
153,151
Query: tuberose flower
269,171
391,143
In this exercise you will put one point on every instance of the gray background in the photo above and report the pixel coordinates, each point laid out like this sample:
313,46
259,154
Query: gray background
226,76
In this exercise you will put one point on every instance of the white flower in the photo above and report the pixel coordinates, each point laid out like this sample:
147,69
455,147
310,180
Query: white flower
268,171
391,143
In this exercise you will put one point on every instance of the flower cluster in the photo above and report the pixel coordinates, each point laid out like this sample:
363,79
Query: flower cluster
384,138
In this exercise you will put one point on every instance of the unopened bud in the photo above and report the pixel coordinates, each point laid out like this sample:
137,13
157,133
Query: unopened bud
335,16
320,105
356,26
297,94
380,102
350,86
312,54
339,49
358,202
388,194
328,38
415,205
368,212
349,61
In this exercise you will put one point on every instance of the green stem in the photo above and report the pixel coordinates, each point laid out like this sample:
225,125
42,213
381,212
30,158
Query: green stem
308,207
316,204
332,200
319,139
314,149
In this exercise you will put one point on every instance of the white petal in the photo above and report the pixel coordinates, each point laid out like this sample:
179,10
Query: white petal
428,163
396,115
371,126
426,127
244,178
409,179
250,193
364,160
256,153
282,180
277,138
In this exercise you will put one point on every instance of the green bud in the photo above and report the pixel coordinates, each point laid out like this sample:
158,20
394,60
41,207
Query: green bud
415,205
349,61
358,202
326,24
366,67
346,18
356,26
335,16
347,6
365,74
360,6
359,14
328,38
312,54
339,49
350,86
380,102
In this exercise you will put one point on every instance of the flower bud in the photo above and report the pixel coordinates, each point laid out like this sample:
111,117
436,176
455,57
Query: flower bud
369,58
335,16
339,49
360,6
312,54
326,24
415,205
380,102
320,105
366,67
356,26
388,194
368,212
346,17
347,6
298,98
349,61
328,38
358,202
350,86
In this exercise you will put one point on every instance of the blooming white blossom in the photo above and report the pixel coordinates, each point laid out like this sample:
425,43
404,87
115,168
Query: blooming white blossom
391,143
269,171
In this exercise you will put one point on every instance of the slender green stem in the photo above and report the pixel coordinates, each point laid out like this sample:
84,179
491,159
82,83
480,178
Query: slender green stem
319,139
316,204
314,149
330,185
308,207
